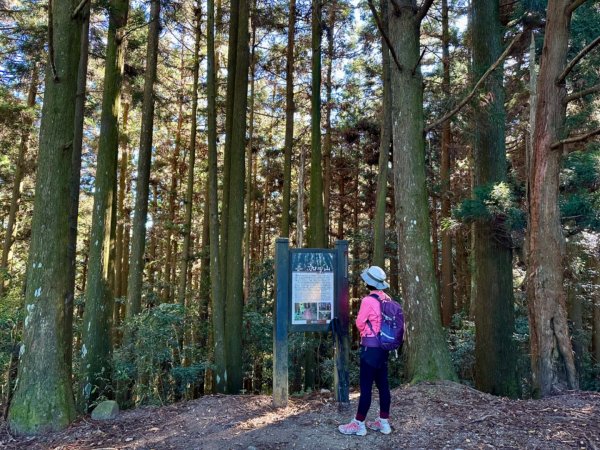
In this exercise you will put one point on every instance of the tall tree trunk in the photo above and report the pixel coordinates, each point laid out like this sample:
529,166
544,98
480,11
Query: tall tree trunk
249,177
446,278
551,350
43,400
121,219
384,149
189,193
136,263
19,172
169,291
218,304
289,122
300,206
234,299
327,145
316,230
229,116
427,353
575,311
97,318
76,180
495,360
596,309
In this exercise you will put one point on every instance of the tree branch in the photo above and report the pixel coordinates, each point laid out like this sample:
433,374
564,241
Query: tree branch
583,93
77,10
574,5
575,139
384,34
422,12
575,60
476,87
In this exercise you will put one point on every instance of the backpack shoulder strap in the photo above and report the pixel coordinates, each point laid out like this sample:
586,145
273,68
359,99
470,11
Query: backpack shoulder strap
375,296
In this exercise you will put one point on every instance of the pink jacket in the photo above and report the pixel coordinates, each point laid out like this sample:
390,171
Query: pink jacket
370,310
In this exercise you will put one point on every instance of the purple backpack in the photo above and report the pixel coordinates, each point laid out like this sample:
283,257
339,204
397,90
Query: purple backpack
392,324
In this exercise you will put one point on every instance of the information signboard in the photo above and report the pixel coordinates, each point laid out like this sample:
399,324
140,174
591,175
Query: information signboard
313,287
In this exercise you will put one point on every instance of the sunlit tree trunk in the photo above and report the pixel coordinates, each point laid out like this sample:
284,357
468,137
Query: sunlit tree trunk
97,318
136,263
43,400
427,353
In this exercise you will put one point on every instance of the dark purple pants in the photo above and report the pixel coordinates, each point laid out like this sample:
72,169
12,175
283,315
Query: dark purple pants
373,368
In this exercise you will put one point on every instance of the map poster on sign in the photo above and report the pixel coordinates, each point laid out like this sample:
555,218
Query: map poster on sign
313,288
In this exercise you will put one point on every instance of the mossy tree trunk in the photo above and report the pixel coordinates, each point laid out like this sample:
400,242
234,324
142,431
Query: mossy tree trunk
495,355
99,301
43,400
428,357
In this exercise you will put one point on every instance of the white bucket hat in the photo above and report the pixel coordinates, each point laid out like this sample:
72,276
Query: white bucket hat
375,276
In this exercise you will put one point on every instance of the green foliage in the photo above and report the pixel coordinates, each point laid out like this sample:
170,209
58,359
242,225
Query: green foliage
492,202
11,319
579,201
153,360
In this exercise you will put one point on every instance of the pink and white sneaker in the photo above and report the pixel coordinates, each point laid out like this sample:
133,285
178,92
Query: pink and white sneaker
354,427
381,425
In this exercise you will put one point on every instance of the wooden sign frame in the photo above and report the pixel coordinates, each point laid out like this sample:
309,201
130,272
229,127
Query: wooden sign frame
307,283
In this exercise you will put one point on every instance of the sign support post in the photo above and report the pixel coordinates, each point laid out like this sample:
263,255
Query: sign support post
280,335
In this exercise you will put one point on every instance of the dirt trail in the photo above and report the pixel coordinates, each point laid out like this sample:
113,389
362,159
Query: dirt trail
429,416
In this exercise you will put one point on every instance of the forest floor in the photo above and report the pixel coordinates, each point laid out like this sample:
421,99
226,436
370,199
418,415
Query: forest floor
441,415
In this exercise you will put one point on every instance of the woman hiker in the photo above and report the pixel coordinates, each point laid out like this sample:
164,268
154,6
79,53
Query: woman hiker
373,359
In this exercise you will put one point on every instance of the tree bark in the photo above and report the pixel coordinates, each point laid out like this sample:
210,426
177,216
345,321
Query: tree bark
189,193
495,360
316,230
446,275
97,318
122,216
551,350
289,122
19,172
136,260
249,168
218,305
384,149
43,400
327,144
427,353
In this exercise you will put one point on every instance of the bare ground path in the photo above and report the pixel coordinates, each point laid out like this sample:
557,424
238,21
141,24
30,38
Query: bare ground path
429,415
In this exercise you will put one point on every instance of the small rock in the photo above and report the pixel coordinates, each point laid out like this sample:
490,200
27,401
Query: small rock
106,410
